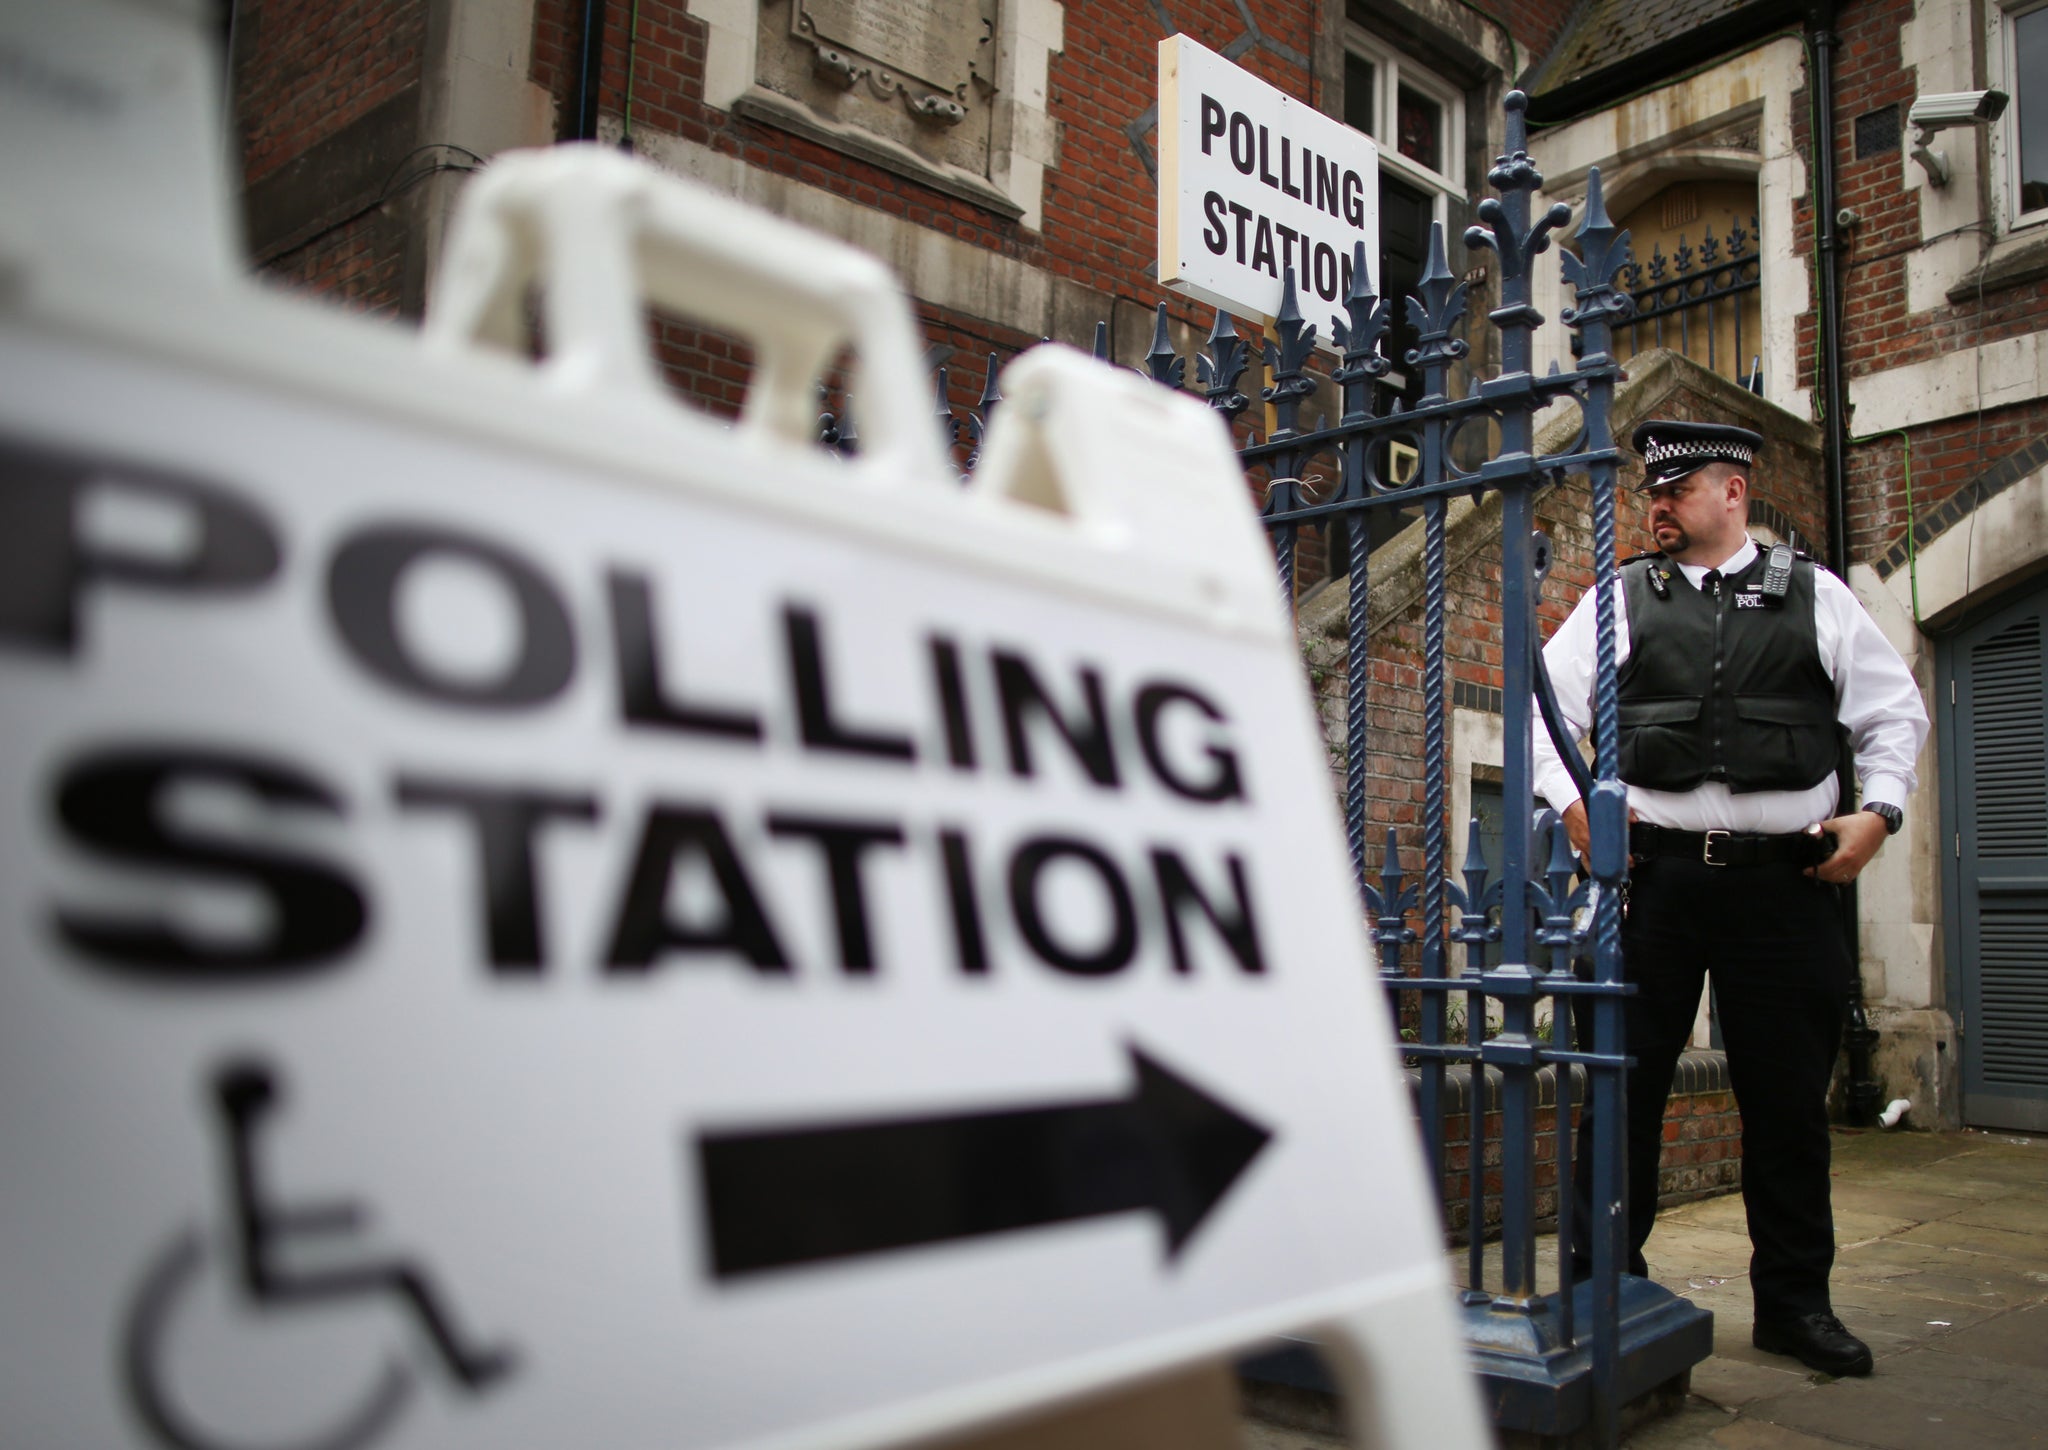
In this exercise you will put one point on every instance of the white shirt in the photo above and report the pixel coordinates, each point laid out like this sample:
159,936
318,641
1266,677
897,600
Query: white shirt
1875,697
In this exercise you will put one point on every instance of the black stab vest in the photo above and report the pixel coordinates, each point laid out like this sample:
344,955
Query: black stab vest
1723,690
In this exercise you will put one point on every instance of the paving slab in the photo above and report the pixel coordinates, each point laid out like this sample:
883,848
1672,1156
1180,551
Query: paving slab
1856,1196
1257,1435
1732,1383
2021,1213
2017,1160
1869,1152
1691,1250
2001,1291
1909,1313
1970,1238
1940,1374
1693,1427
2019,1338
1908,1248
1855,1225
1725,1211
1931,1181
1870,1412
1762,1435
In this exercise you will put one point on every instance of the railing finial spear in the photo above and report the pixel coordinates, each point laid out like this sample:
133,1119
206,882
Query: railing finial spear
1357,335
1165,365
1286,360
942,411
1436,308
990,394
1516,104
1220,368
983,410
1474,870
1602,257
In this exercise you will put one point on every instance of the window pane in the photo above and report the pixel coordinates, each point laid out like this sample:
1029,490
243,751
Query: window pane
1405,215
1358,79
2028,85
1419,125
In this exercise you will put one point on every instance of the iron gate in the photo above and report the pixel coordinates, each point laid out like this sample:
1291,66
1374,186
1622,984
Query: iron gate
1532,927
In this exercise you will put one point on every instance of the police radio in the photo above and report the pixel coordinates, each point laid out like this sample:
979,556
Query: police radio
1778,573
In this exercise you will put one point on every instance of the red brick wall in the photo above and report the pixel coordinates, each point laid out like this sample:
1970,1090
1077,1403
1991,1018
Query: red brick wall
1878,330
359,264
1702,1154
326,108
1099,201
1944,456
668,96
1535,24
307,68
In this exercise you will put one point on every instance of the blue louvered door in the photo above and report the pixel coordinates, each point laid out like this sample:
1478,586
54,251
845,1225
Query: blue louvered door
1997,772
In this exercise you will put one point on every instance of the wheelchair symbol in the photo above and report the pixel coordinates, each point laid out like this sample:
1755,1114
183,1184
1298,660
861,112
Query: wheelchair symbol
243,1094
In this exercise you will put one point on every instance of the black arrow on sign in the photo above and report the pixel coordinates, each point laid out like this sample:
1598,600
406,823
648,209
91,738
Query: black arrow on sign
781,1196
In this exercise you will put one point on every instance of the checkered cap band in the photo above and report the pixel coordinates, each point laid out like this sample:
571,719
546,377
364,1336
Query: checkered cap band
1726,451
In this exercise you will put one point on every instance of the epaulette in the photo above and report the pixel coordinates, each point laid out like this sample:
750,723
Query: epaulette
1637,558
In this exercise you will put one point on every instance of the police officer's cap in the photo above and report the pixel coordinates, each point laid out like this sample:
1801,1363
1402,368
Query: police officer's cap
1672,449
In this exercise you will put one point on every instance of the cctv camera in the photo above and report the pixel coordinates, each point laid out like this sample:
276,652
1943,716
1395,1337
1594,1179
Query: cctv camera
1930,114
1956,108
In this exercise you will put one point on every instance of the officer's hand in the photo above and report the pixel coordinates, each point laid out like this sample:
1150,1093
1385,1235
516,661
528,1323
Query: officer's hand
1857,838
1578,828
1580,831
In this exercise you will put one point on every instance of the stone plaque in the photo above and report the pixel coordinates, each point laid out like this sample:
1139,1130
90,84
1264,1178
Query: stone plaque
907,85
942,43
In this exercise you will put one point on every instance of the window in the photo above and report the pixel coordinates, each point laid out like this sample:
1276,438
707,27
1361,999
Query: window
1417,118
2019,141
1418,121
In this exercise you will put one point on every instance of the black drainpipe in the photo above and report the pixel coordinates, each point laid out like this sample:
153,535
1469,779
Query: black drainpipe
1865,1092
1833,396
589,66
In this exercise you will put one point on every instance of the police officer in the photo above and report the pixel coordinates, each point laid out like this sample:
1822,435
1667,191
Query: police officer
1737,666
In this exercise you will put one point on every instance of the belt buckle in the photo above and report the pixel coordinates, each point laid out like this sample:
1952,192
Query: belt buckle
1707,846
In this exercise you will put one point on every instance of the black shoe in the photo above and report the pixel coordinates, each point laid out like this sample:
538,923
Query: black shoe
1817,1341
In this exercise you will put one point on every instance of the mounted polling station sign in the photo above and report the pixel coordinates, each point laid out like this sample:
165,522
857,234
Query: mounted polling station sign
1253,182
530,917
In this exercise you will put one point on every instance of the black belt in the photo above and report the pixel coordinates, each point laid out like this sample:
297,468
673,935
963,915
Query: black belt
1729,848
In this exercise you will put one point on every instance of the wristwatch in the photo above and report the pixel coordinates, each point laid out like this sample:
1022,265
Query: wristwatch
1892,816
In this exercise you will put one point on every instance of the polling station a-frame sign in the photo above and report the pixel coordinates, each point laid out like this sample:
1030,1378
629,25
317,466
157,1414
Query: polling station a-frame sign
531,917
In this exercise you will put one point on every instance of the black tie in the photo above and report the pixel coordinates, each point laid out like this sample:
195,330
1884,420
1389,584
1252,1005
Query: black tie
1712,582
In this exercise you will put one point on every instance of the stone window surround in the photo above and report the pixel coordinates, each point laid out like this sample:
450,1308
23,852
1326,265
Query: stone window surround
1406,71
1031,32
1947,46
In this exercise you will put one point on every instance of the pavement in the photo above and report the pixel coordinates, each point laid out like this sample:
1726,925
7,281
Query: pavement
1941,1266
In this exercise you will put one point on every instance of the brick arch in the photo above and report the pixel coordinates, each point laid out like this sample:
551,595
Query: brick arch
1764,514
1990,532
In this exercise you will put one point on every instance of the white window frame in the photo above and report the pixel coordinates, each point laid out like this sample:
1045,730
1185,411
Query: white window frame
1392,71
2005,150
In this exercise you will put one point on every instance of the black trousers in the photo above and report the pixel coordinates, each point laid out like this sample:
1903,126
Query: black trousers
1772,941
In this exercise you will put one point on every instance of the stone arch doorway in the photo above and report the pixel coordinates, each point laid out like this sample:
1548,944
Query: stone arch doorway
1698,273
